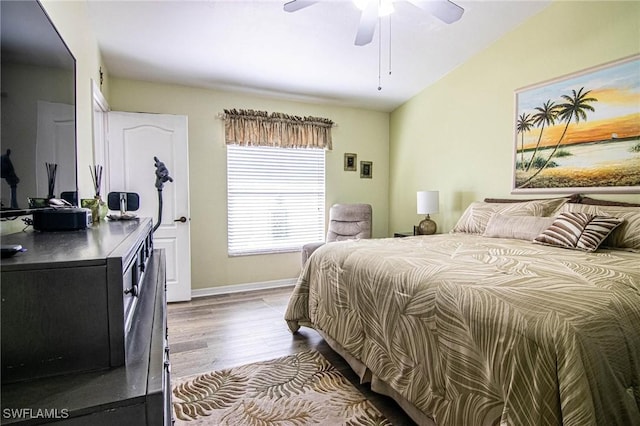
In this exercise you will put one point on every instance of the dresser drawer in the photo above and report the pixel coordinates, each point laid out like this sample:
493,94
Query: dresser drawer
54,321
68,301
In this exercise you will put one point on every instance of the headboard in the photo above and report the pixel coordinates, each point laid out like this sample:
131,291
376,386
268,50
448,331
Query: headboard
574,198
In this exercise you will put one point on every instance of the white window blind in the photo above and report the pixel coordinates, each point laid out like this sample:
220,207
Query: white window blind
275,198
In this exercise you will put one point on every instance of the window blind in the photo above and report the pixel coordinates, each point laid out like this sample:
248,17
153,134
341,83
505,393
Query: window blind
275,198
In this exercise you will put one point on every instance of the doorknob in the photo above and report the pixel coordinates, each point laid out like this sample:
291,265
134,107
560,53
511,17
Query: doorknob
182,219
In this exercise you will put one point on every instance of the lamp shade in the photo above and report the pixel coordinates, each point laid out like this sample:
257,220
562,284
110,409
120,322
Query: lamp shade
428,202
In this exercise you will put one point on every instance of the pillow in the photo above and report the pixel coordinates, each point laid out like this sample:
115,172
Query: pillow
578,231
475,218
596,231
466,223
516,227
626,236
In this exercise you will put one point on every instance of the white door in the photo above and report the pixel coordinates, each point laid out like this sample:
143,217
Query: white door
134,139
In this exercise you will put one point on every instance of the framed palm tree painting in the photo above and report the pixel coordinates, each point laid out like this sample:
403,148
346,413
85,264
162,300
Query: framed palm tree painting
580,133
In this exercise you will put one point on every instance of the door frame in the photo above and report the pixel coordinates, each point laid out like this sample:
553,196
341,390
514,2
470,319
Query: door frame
100,129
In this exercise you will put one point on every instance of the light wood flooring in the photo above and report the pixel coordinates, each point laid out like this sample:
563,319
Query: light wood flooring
218,332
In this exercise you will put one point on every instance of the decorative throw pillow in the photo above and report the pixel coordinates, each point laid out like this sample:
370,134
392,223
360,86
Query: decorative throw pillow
516,227
578,231
596,231
475,218
626,236
482,214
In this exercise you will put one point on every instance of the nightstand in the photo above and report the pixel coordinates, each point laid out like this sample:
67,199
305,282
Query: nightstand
405,234
402,234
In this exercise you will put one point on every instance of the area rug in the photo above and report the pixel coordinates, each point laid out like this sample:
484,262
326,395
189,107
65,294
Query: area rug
300,389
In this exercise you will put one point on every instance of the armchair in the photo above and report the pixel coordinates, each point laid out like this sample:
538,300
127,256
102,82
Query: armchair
346,222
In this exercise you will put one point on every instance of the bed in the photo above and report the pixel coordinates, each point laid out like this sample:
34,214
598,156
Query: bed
505,320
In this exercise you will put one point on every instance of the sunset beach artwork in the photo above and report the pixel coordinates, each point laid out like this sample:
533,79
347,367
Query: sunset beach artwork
580,133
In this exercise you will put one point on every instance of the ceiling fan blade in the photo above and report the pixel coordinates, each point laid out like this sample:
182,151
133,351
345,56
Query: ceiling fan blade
294,5
367,26
444,10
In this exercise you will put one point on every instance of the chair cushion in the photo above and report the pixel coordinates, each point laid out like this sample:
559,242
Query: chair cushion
349,221
340,231
350,212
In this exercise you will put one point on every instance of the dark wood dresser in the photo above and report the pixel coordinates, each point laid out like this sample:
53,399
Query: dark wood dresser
84,331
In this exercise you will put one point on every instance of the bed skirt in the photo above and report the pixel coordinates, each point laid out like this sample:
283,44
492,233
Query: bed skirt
378,385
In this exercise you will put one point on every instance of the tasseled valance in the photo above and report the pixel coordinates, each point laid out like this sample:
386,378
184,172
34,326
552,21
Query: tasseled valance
259,128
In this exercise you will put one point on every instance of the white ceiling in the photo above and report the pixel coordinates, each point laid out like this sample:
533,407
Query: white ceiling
308,55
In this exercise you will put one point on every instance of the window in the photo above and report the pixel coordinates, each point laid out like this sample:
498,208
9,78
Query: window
275,198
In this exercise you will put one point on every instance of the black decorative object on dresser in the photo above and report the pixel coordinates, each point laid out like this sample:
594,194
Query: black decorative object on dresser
84,334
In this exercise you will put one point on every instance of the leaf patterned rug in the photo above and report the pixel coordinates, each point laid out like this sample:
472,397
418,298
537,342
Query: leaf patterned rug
300,389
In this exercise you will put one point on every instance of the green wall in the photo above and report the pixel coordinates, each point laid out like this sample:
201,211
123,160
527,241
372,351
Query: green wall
363,132
457,136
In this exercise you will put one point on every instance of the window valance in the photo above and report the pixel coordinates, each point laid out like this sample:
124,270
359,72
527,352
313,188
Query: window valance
259,128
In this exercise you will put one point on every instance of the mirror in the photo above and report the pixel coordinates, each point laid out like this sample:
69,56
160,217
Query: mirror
37,81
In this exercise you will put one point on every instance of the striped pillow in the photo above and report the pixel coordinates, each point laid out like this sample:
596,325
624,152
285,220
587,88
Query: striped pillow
578,231
596,231
626,236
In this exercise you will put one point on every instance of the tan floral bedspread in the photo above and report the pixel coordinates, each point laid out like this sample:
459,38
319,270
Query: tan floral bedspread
479,331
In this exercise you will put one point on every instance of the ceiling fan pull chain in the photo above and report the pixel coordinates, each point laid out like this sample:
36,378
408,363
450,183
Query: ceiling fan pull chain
389,44
379,52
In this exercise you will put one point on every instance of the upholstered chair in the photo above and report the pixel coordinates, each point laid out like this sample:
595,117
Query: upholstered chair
346,222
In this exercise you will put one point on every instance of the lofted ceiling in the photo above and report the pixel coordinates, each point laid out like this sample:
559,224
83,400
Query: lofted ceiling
308,55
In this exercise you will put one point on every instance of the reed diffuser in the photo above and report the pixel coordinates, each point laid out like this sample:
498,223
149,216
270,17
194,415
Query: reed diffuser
99,209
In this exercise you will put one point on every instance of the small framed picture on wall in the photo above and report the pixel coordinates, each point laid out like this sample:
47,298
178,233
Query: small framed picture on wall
366,169
350,162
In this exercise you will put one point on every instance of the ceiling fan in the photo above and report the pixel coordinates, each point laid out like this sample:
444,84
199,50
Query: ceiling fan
444,10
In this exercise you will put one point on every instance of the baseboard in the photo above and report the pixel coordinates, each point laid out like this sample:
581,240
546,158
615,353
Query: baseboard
238,288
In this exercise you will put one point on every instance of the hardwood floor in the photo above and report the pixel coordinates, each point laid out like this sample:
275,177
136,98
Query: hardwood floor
218,332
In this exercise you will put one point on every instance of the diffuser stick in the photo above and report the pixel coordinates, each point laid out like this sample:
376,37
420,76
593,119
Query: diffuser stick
96,177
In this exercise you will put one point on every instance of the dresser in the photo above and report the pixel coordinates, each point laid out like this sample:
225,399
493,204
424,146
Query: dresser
84,331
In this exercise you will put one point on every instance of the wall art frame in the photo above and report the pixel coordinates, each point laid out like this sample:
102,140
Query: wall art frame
579,132
350,162
366,169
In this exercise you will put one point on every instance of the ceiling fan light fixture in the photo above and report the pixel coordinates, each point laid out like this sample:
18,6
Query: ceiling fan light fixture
385,7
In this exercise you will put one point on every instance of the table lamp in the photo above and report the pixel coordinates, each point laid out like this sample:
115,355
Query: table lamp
428,202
